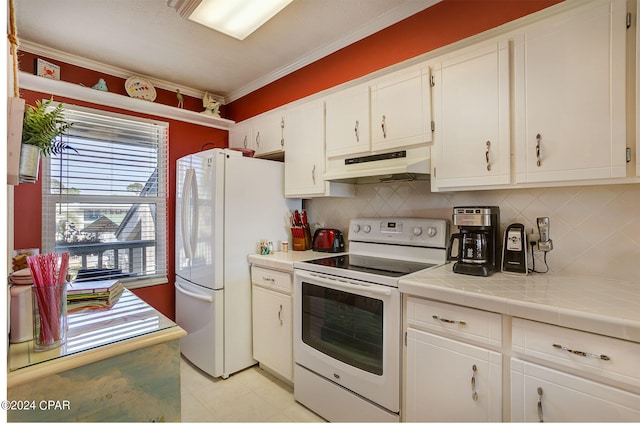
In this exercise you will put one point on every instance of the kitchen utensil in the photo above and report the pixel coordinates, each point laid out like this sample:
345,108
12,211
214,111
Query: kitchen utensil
514,253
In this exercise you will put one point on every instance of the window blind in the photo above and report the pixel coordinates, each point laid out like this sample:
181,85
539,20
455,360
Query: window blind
105,199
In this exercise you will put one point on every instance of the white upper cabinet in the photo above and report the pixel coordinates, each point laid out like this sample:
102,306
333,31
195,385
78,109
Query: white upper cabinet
305,154
569,95
401,109
471,97
241,135
268,132
347,121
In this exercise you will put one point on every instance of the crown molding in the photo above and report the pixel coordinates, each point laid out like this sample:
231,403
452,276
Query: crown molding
384,21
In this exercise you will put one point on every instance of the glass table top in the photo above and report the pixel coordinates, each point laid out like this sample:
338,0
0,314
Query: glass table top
128,318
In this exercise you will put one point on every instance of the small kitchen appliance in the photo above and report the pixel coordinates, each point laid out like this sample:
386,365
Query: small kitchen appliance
328,240
348,317
514,253
478,242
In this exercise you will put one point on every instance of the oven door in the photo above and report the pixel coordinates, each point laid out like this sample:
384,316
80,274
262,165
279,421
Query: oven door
348,331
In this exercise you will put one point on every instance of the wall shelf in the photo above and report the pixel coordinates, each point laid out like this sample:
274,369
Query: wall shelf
87,94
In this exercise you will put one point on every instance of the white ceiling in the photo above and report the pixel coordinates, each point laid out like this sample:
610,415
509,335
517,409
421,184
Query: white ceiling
150,39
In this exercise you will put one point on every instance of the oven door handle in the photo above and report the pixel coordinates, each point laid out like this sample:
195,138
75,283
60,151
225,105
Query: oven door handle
341,284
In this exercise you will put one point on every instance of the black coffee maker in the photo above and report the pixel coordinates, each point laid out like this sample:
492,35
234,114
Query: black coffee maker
478,242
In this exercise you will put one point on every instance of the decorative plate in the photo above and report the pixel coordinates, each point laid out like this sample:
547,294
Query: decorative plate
140,89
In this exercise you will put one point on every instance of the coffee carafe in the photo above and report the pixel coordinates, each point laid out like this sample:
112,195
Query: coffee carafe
478,242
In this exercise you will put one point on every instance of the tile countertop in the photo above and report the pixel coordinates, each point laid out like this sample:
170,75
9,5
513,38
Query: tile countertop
284,261
128,325
608,307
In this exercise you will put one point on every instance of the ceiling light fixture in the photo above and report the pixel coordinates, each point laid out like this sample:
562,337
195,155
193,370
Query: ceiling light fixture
236,18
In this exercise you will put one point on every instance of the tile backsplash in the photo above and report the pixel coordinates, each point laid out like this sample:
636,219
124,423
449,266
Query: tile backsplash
595,229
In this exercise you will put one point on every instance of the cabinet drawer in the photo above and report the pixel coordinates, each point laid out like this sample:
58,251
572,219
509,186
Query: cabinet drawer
599,355
452,320
271,279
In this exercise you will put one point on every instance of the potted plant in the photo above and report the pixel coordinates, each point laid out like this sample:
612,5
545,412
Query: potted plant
41,135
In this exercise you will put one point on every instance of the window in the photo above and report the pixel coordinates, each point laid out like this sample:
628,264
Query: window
105,203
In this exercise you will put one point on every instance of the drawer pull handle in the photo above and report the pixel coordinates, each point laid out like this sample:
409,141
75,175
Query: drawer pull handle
584,354
271,280
448,321
280,316
474,392
540,416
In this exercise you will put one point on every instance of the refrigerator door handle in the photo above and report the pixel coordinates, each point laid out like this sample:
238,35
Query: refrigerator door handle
195,217
189,215
194,295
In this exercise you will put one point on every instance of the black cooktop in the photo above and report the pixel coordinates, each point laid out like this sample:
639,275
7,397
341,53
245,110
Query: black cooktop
371,265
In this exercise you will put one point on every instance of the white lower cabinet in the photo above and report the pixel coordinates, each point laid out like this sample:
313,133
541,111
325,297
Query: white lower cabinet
462,365
561,374
272,321
542,394
453,364
449,380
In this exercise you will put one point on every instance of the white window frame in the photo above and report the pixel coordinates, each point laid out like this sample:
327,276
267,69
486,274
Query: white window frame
49,201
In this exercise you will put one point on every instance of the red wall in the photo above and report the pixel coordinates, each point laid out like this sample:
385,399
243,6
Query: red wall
442,24
184,138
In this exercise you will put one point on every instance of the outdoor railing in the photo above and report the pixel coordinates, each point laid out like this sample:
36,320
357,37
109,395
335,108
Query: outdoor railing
85,250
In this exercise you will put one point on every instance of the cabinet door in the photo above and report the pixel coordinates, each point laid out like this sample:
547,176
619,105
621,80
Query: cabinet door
304,164
637,114
447,380
268,133
273,331
241,135
471,114
347,121
570,95
401,110
540,393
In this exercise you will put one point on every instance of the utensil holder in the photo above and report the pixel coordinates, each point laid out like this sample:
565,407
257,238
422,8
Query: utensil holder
49,316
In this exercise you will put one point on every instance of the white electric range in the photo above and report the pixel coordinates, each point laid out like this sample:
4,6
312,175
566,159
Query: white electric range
347,325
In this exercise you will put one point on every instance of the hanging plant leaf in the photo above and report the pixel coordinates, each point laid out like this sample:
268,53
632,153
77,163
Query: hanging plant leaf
44,129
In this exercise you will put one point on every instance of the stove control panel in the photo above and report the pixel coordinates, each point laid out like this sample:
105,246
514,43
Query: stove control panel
423,232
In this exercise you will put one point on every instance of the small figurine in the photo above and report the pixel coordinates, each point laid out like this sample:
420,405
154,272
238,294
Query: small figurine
180,98
100,85
211,105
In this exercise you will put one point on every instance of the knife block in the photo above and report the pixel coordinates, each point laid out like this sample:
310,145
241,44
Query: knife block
298,243
301,237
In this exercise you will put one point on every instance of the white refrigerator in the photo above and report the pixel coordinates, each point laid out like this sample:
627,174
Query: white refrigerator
225,205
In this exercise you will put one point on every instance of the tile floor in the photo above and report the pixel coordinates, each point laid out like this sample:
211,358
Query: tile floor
251,395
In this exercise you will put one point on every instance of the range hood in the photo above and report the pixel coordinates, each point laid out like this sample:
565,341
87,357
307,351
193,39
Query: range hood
400,165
